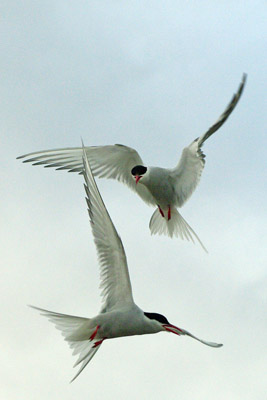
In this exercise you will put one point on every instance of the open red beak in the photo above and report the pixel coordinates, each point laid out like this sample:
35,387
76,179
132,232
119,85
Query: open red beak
173,329
137,178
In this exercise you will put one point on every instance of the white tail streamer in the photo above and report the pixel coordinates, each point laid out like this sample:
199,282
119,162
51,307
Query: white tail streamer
175,226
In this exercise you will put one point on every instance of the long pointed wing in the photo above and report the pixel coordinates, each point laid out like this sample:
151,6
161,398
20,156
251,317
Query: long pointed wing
223,117
188,171
115,280
112,161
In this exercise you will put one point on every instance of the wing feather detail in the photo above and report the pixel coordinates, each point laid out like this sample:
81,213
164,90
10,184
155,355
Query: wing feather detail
111,161
114,274
186,175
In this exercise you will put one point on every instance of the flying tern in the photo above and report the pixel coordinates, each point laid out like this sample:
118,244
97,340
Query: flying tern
164,188
119,315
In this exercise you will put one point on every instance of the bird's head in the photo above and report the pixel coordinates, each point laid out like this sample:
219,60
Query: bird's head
163,323
138,172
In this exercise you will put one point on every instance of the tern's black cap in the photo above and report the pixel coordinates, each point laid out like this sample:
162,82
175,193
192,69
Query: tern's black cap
158,317
138,170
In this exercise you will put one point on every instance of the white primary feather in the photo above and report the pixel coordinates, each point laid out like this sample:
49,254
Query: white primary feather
111,161
115,280
185,177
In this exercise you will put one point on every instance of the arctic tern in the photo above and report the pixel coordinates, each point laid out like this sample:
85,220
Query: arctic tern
119,315
161,187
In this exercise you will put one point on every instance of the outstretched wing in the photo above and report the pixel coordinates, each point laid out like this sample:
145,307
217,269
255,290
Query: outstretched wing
187,174
112,161
115,280
221,120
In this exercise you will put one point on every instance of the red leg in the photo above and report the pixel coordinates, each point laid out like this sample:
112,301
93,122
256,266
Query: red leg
98,343
160,210
169,213
94,333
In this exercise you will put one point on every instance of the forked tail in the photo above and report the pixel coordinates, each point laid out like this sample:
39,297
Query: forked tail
175,226
78,332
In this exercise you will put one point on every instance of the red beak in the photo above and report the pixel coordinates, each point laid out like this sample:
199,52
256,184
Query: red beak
173,329
137,178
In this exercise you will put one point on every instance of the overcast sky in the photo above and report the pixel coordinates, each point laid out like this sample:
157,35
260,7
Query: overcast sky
152,75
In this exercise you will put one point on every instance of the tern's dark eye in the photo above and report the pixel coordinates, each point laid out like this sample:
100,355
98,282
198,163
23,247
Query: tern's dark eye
138,170
158,317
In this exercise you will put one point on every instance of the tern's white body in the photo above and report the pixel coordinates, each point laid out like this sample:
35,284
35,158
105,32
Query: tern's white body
160,184
165,188
119,315
127,322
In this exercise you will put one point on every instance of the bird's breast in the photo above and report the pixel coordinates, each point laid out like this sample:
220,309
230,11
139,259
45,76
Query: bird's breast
161,188
118,324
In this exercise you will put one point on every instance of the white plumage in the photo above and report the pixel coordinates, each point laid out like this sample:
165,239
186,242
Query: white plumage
165,188
119,315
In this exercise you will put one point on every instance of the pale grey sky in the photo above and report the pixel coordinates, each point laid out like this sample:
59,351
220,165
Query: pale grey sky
154,76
